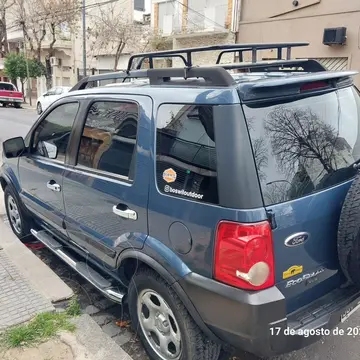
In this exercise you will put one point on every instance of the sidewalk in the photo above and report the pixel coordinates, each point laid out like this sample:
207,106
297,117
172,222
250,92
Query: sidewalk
88,342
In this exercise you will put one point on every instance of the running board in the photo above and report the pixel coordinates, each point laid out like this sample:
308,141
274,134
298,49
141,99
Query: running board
92,276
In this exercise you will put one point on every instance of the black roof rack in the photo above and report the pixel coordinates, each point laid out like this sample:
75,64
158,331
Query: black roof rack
186,54
216,75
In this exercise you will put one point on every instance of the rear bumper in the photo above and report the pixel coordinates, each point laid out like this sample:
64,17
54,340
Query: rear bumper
10,100
257,322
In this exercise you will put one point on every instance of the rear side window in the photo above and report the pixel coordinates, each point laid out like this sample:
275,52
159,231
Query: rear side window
186,156
306,145
109,137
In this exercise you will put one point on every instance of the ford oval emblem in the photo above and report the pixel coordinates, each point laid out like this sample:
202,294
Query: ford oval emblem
297,239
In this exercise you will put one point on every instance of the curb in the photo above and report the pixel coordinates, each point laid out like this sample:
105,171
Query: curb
98,344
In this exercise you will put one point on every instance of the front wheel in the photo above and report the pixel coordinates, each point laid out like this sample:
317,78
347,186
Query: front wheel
19,222
17,105
165,327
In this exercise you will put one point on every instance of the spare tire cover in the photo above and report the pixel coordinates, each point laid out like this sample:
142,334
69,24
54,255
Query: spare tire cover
349,234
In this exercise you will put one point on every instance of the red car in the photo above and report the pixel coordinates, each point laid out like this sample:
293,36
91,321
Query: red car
9,94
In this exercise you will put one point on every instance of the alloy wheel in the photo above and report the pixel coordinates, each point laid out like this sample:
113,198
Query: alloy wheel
14,214
159,325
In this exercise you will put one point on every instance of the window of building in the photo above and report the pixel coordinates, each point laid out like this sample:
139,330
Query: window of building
139,5
186,156
108,142
52,136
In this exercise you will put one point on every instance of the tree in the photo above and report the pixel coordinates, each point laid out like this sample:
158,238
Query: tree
15,68
43,20
4,7
297,134
114,31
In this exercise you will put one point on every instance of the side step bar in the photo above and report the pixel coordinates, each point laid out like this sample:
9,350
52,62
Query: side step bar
92,276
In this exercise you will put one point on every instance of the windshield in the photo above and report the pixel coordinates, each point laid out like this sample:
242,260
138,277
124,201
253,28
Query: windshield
7,86
307,145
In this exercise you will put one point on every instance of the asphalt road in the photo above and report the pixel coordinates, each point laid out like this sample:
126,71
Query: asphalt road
16,122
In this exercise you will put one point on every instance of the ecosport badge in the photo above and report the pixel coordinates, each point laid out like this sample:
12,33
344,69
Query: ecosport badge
297,239
310,276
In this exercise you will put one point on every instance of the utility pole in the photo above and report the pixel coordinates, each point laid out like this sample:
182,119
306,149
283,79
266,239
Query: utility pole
84,36
27,65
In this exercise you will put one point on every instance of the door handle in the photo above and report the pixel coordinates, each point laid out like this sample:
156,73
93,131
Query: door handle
52,185
124,212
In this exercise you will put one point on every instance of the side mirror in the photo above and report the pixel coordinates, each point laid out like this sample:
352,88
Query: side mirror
14,147
51,150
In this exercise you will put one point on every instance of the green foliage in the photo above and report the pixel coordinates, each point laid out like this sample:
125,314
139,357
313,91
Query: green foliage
36,68
74,307
42,327
15,67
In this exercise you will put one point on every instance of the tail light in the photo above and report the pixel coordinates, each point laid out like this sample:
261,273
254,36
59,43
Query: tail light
244,255
316,85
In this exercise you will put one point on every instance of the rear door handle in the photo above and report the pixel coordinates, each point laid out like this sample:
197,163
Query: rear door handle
52,185
124,212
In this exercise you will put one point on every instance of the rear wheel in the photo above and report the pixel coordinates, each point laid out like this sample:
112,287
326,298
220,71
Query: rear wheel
165,327
19,221
17,105
39,108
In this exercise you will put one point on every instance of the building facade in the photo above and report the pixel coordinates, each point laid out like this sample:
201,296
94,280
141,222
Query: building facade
305,20
190,23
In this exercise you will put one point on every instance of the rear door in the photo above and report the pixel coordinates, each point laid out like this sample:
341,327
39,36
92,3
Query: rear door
106,189
304,151
41,170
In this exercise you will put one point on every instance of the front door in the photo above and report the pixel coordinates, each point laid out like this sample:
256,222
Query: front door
106,191
41,171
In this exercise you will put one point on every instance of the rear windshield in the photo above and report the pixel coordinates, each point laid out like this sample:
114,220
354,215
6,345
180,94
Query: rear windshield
7,87
305,146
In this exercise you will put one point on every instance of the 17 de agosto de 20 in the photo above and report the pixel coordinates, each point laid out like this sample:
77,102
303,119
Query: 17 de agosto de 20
337,331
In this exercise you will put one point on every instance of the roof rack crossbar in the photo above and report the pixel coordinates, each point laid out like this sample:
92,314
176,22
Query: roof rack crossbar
151,58
234,47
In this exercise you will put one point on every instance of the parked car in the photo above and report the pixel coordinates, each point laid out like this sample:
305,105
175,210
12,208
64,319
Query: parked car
9,95
46,99
225,215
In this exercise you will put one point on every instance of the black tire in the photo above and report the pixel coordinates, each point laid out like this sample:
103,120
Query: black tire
17,106
39,108
194,344
349,234
24,232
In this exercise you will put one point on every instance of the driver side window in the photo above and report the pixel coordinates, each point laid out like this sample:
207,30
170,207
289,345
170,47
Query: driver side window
52,136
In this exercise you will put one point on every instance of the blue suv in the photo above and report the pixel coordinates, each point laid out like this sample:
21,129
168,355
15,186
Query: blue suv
213,200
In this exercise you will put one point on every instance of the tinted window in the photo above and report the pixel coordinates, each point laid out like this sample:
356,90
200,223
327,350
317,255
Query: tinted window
186,157
306,145
52,136
109,137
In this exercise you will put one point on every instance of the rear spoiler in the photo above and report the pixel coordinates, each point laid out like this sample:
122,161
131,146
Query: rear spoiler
295,85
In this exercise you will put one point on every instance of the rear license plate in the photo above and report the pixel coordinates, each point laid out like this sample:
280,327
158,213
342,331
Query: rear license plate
349,312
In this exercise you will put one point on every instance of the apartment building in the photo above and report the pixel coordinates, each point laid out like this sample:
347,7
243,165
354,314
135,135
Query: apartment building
330,26
101,60
61,62
190,23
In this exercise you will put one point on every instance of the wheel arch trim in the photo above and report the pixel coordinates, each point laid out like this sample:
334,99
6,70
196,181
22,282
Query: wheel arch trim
164,273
